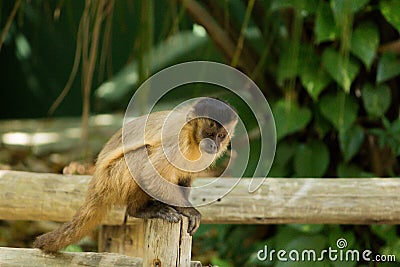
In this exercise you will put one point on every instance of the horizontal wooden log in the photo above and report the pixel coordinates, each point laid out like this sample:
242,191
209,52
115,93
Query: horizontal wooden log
28,257
39,196
42,136
46,196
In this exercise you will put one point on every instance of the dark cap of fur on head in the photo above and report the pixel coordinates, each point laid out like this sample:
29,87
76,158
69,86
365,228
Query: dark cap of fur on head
215,109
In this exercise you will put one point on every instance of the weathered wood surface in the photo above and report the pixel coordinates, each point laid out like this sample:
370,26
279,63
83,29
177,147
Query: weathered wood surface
36,196
21,257
167,244
46,196
45,135
28,257
124,239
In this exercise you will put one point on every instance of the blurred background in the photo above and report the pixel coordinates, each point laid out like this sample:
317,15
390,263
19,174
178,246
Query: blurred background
328,68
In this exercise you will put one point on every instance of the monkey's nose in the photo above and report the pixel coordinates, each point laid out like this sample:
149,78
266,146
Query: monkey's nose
213,147
208,146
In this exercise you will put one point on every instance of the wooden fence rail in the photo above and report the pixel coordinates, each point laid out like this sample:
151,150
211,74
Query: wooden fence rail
44,196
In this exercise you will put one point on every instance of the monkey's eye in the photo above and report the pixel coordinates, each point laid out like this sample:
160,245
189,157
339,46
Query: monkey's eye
221,135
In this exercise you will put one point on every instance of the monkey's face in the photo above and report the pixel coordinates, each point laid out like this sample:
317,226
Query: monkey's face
212,137
213,122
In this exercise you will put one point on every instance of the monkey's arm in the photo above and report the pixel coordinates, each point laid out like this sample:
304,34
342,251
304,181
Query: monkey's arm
190,212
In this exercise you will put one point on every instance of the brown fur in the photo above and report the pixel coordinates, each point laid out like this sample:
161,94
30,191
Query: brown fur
112,182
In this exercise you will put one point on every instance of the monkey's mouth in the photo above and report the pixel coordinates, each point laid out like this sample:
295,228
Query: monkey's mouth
209,146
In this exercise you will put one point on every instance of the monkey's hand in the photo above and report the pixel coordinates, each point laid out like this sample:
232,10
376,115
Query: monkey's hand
194,218
157,209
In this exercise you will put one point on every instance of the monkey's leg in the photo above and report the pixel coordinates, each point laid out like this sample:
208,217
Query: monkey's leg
156,209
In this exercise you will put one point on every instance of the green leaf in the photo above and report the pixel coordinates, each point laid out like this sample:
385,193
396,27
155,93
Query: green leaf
376,100
364,43
288,64
325,27
321,124
347,6
388,67
289,118
307,228
343,12
311,159
343,70
390,10
352,171
301,243
340,109
221,262
384,231
350,142
335,234
312,76
283,155
307,7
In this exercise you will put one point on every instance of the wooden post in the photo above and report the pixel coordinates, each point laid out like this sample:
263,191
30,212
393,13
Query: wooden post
123,239
167,244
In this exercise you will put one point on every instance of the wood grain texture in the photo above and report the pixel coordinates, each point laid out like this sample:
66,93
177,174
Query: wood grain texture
28,257
46,196
167,244
123,239
13,257
42,196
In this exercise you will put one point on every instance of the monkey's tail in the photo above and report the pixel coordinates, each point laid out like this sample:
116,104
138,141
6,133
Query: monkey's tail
84,220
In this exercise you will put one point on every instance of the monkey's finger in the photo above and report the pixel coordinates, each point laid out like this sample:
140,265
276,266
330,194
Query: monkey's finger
194,223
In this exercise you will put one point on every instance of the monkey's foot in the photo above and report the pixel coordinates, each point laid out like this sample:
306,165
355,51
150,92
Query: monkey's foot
159,210
194,218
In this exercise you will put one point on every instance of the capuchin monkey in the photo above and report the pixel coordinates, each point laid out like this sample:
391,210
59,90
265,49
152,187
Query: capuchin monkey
203,137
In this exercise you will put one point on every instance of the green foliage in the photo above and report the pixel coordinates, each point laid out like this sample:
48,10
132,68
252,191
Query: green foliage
364,43
340,109
351,141
342,69
388,67
289,117
389,9
311,159
325,27
313,77
376,100
352,171
389,136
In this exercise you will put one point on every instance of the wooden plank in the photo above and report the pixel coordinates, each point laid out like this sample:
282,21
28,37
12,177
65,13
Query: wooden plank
42,136
28,257
23,257
46,196
123,239
167,244
34,196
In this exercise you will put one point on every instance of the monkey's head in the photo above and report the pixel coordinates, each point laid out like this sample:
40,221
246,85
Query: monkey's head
213,122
